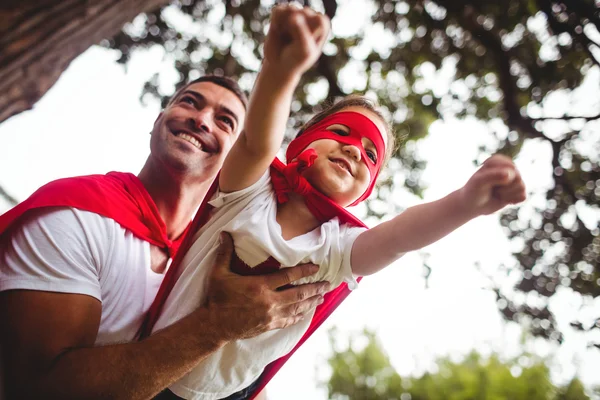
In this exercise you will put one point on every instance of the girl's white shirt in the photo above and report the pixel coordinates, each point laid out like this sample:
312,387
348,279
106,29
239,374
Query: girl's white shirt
250,216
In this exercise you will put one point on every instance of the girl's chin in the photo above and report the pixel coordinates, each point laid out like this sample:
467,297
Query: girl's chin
334,196
332,189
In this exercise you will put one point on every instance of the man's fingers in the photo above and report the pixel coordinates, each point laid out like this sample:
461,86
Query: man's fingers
224,251
285,276
292,321
287,321
301,293
303,306
294,313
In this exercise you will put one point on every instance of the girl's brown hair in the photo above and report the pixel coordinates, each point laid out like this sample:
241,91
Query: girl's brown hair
354,100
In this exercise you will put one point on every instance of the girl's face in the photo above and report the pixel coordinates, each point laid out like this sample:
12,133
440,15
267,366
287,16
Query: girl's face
340,170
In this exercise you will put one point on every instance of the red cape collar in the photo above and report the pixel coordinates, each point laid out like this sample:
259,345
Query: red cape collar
116,195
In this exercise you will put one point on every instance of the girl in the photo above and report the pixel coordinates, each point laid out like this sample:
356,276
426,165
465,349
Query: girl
289,214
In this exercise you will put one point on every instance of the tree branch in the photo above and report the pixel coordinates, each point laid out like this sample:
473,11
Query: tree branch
566,118
564,27
324,65
35,50
585,10
467,18
325,68
330,7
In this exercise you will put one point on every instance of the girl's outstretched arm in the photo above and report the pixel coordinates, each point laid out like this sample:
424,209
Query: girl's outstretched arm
495,185
293,44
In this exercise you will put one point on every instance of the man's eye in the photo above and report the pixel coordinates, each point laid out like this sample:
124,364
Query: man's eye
228,121
372,156
188,100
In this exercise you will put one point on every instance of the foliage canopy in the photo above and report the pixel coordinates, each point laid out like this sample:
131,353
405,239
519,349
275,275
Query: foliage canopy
502,61
368,374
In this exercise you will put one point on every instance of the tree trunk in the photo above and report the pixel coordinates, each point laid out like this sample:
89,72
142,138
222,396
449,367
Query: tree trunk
38,40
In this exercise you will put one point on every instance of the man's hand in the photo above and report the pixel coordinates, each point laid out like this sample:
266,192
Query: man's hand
246,306
295,39
495,185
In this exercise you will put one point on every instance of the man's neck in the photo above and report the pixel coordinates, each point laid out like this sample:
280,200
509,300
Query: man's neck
295,218
175,197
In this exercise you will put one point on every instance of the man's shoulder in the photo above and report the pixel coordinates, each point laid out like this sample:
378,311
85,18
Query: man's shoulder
87,192
75,182
63,187
69,217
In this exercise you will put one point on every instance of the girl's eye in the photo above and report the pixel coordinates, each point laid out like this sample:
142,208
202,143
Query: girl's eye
340,132
372,156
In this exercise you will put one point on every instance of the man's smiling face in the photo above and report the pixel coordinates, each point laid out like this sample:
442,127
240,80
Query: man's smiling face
197,129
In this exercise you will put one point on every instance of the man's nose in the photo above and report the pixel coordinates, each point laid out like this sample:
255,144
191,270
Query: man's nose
352,151
201,122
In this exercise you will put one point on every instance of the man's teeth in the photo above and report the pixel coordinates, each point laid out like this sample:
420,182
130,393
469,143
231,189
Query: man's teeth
190,139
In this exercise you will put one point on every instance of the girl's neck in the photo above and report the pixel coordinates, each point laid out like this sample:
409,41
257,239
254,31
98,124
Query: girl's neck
295,218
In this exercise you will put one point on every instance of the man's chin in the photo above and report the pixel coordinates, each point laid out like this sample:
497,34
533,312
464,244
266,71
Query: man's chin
180,164
208,168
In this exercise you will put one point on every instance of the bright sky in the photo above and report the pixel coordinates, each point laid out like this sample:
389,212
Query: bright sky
91,121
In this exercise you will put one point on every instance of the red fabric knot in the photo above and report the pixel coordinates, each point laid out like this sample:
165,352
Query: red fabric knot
290,177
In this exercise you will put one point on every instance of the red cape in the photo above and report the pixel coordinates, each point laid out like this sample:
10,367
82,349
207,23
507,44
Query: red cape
116,195
331,300
123,198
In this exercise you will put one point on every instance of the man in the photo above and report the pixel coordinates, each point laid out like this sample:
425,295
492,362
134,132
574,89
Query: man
75,284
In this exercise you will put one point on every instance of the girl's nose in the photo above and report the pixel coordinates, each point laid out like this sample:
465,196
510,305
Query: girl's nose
352,151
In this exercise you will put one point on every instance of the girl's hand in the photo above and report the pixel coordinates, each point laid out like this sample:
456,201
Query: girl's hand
495,185
295,39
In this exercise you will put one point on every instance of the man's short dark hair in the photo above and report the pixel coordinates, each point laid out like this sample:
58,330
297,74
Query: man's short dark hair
222,81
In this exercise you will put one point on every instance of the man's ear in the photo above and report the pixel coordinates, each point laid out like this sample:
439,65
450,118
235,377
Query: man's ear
156,121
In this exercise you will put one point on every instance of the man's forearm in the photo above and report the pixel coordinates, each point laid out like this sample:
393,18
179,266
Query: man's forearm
128,371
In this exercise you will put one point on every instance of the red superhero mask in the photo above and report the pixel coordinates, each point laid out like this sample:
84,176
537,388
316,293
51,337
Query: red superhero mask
359,126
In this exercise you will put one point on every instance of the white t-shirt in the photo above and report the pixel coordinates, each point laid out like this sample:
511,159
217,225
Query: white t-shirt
72,251
250,216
